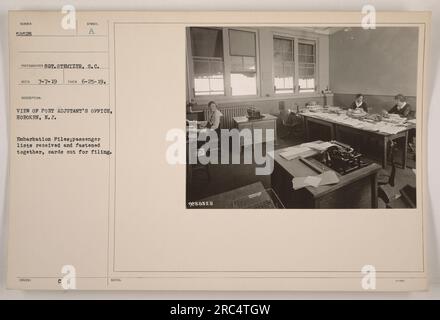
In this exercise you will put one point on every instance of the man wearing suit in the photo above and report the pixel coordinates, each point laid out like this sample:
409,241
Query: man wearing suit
401,107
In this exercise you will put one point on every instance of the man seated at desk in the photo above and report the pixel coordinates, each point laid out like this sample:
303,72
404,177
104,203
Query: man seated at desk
401,107
359,103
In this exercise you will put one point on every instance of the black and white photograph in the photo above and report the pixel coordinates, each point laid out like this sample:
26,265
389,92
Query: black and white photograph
301,117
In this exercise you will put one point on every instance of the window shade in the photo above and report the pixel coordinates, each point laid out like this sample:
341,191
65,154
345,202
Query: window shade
207,42
242,43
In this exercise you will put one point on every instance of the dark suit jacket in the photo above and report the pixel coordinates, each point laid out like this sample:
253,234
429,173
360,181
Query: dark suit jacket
404,112
363,106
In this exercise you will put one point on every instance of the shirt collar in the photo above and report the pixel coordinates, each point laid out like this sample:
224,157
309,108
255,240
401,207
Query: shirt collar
403,105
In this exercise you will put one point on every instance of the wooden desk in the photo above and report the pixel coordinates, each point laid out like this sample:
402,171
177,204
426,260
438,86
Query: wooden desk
349,192
333,130
267,122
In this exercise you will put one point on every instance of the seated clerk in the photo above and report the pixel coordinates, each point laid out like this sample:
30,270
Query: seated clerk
213,122
214,119
359,103
401,107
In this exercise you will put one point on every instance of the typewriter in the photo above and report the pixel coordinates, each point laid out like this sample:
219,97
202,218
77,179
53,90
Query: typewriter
253,114
342,158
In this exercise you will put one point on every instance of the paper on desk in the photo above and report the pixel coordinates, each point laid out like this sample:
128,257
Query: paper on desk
293,152
240,119
326,178
313,181
318,146
391,129
298,183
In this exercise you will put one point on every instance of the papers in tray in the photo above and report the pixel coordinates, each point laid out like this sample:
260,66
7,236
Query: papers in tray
326,178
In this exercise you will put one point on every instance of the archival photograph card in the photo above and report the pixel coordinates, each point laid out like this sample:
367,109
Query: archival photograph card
217,150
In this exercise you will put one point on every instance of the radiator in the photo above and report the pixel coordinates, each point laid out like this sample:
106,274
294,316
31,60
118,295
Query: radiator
227,121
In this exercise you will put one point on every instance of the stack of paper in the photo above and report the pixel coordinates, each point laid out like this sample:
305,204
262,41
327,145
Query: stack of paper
390,129
320,146
293,152
241,119
326,178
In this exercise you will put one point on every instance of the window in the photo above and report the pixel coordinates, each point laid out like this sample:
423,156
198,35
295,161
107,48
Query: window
306,64
294,70
208,64
243,61
283,65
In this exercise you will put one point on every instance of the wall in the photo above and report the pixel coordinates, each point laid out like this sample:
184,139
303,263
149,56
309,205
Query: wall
378,63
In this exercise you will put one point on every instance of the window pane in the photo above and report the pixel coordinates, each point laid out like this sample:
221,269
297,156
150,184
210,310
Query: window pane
201,67
249,63
206,42
243,84
243,64
284,65
242,43
201,85
306,59
205,85
242,48
284,47
207,50
236,63
306,85
216,67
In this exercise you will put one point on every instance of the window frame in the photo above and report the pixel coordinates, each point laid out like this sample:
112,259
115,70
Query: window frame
190,63
315,44
226,65
297,39
257,68
294,65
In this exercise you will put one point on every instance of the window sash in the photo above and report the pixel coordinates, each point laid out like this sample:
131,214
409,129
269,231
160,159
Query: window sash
306,66
283,64
240,72
208,71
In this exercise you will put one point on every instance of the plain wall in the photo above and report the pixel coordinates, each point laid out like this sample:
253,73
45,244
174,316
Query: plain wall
378,63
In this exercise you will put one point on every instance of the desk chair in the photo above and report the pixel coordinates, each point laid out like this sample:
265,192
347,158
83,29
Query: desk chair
385,178
406,198
386,181
289,122
192,168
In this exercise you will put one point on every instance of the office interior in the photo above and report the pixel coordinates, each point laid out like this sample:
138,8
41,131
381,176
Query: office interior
286,79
